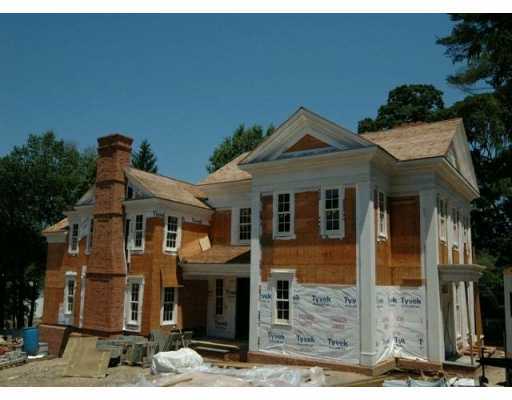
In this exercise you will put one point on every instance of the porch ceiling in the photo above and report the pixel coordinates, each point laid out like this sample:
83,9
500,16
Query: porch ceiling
460,272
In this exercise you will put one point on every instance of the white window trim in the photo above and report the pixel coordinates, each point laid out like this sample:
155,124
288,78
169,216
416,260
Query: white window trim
275,224
133,224
282,275
442,210
88,246
336,234
70,238
223,296
69,276
382,234
129,324
175,306
166,249
235,226
455,226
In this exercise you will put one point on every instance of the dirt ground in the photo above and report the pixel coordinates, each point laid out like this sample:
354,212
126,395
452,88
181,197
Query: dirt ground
50,373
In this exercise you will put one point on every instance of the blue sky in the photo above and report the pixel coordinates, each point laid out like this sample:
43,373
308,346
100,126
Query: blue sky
185,82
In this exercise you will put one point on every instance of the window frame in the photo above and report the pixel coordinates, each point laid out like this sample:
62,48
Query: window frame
172,321
72,250
455,217
442,216
130,324
275,216
135,230
333,233
276,276
240,224
382,215
70,276
221,297
174,249
90,242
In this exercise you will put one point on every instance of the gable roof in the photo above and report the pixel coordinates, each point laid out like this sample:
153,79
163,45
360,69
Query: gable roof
167,188
301,123
416,141
228,173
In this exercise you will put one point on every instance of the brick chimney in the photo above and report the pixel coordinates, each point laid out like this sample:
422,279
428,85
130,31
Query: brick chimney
106,270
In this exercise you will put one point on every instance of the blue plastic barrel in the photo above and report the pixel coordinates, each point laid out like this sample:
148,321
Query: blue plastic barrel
31,340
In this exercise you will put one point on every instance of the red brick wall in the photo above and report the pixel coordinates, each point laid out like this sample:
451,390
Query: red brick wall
316,260
58,262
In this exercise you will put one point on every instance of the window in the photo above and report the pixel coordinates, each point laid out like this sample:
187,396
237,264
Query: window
381,214
219,296
442,209
69,294
284,214
73,241
171,233
332,210
455,220
134,301
244,233
168,304
89,237
139,232
129,192
282,305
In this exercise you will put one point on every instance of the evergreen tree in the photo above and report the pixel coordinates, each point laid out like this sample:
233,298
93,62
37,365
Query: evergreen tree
243,139
144,158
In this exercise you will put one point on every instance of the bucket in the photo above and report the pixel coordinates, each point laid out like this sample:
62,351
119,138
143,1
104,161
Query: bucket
31,340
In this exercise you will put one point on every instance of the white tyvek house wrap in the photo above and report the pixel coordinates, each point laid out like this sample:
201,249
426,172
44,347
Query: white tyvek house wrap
401,326
324,323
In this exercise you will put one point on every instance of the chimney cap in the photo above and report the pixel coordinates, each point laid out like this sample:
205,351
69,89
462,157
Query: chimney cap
114,138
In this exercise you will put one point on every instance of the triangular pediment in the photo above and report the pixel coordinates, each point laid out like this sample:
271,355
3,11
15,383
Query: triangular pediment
304,134
460,157
305,143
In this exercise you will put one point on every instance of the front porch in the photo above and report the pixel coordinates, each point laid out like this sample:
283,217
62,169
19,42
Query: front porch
216,298
460,308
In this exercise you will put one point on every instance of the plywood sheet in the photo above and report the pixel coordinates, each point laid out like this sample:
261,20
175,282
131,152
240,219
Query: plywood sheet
84,360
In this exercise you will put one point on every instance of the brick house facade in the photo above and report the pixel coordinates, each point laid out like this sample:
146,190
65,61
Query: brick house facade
319,244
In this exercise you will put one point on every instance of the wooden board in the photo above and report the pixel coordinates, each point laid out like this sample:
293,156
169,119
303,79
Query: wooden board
84,360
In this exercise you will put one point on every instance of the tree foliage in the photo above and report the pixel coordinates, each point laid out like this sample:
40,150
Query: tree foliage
405,104
144,158
243,139
38,181
482,43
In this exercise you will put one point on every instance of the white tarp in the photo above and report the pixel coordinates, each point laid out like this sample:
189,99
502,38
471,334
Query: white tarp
324,323
175,361
401,327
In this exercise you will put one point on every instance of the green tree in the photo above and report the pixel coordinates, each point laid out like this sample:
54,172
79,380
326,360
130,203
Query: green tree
144,158
38,181
405,104
243,139
482,43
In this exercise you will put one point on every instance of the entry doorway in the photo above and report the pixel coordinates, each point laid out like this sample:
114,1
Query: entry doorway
243,293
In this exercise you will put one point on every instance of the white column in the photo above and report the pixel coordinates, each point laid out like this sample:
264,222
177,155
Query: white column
366,273
255,270
430,247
